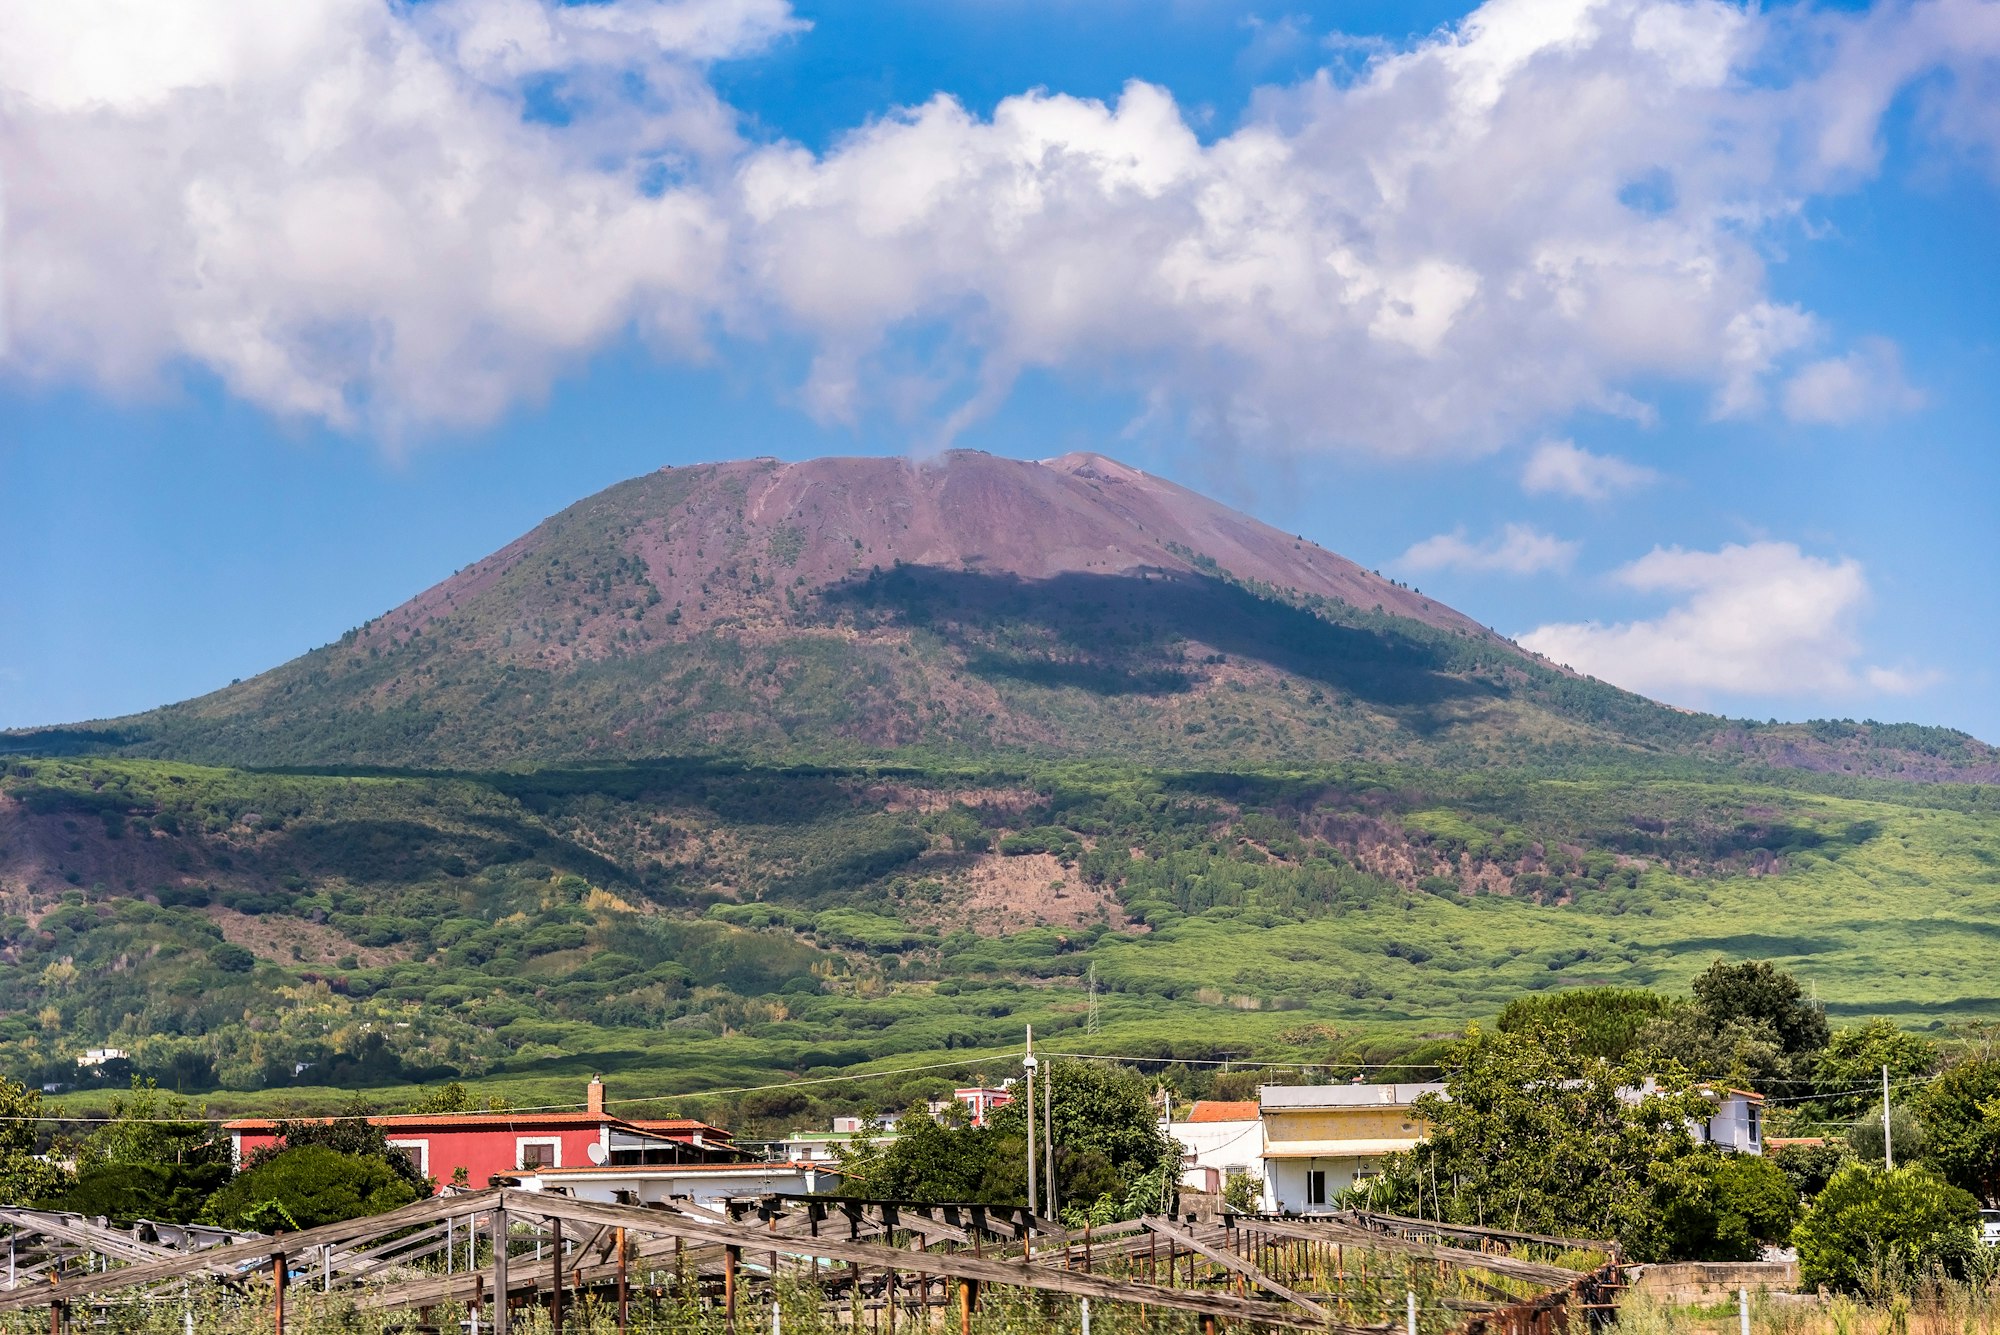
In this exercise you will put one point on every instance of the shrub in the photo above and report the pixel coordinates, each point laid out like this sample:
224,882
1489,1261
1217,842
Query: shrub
231,958
306,1187
1873,1222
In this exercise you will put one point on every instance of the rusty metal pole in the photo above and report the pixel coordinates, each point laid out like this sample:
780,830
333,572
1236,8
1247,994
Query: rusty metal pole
965,1306
278,1290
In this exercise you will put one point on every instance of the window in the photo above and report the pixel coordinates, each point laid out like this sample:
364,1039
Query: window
535,1154
418,1152
1316,1187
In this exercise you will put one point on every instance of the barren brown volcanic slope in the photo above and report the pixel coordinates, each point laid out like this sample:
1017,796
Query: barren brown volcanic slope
966,603
824,521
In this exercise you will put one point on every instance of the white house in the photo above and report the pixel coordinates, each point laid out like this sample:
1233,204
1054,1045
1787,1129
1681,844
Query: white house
1736,1125
824,1147
1219,1140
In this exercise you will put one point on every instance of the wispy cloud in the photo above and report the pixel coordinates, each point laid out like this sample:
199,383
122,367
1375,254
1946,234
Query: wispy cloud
1519,549
1865,383
1560,468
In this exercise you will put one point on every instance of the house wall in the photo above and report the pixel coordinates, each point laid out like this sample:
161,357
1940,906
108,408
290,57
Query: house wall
1738,1125
1212,1151
481,1151
1363,1122
652,1187
1286,1182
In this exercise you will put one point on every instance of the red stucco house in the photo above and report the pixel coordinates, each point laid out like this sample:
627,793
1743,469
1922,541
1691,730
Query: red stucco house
488,1145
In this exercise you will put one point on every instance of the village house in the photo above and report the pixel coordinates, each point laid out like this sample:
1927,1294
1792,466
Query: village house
1736,1125
824,1147
480,1148
979,1101
1219,1140
1320,1140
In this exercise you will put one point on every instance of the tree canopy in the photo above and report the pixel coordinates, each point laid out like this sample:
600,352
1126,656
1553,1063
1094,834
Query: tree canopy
307,1186
1540,1138
1876,1228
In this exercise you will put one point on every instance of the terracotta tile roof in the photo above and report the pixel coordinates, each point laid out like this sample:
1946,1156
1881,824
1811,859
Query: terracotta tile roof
677,1124
1215,1110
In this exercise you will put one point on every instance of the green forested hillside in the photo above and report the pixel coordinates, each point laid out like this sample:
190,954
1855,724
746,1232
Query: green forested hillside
700,925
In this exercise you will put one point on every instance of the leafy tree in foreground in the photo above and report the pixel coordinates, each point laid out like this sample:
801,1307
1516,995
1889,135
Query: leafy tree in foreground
1606,1022
1961,1117
1848,1074
1761,993
1540,1140
1875,1230
1809,1167
157,1158
23,1176
1108,1144
1749,1024
351,1133
308,1186
1726,1207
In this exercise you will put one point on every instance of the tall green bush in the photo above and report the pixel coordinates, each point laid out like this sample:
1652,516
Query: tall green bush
1873,1227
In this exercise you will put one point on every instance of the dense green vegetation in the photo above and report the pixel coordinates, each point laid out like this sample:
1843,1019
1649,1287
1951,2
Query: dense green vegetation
700,925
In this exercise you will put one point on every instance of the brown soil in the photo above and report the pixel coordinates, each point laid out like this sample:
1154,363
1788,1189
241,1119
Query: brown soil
272,936
1009,894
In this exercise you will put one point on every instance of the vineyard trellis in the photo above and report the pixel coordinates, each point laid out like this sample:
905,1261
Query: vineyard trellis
506,1261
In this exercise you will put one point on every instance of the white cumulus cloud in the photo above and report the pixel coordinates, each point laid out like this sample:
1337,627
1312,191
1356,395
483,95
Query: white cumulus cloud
1519,549
1559,467
340,207
367,211
1756,618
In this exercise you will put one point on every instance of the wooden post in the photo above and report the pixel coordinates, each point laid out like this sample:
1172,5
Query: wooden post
555,1276
730,1255
889,1303
967,1291
278,1290
623,1296
500,1288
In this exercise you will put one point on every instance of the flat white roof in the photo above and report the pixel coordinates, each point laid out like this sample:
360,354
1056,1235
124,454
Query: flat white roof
1281,1098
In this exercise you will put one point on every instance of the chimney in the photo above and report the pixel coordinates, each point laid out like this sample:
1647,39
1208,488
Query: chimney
593,1096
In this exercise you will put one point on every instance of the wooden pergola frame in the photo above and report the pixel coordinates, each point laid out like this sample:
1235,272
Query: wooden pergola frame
841,1245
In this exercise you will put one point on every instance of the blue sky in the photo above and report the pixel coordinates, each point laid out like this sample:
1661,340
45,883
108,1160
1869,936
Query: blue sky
1661,335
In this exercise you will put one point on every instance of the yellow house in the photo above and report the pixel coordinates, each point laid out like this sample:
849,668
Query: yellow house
1320,1139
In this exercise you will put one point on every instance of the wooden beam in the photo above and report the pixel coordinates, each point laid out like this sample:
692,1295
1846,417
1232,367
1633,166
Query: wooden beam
945,1263
1238,1265
237,1257
1374,1218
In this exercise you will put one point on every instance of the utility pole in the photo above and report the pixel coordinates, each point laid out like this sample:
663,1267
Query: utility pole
1090,1015
1888,1151
1028,1064
1048,1135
